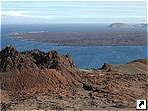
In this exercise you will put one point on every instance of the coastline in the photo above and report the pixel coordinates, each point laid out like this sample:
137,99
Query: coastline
86,38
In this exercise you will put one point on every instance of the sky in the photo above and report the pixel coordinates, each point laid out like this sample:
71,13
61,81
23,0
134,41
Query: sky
46,12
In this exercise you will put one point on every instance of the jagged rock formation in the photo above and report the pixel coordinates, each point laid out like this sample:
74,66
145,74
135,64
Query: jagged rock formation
35,69
12,60
39,80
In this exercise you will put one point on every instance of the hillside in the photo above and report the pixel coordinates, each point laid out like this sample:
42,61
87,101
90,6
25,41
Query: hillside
37,80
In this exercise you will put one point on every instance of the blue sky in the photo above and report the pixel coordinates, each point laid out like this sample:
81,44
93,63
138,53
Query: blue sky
46,12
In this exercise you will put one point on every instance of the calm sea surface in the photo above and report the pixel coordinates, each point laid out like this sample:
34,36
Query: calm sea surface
84,57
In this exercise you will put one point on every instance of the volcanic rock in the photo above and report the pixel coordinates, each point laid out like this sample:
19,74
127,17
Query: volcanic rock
30,70
38,80
106,67
12,60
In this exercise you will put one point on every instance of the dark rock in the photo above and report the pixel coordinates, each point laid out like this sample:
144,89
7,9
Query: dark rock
87,87
106,67
52,54
12,60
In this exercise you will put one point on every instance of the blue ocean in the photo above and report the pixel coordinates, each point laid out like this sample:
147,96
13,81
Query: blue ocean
84,56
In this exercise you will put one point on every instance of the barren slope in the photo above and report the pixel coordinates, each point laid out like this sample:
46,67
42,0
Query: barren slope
38,80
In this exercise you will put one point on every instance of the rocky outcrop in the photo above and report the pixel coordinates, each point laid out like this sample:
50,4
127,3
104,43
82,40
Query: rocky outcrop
28,71
106,67
31,72
139,66
11,60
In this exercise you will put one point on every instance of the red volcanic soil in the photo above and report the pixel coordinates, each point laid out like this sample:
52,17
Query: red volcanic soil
42,81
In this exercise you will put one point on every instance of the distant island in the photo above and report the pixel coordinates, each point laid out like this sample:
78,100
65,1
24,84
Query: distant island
125,25
124,37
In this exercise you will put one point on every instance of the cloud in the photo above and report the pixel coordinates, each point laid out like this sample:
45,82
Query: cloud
22,14
73,11
12,13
